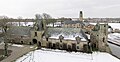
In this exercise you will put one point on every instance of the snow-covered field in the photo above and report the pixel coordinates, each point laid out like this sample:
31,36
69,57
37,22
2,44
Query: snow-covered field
23,23
113,25
47,55
115,49
114,37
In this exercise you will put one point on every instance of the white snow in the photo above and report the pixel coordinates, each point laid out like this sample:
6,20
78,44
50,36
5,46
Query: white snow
113,25
114,37
23,23
31,46
70,37
16,45
56,24
2,43
47,55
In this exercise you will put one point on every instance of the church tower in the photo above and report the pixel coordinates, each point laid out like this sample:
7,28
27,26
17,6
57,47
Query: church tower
81,16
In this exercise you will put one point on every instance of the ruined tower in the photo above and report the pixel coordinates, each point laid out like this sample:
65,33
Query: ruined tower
38,32
98,37
81,16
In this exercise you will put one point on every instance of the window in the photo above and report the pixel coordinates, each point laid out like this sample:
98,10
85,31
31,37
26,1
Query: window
78,42
103,39
35,33
21,42
77,47
104,26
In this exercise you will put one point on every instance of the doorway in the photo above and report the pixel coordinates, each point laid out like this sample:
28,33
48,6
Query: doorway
34,41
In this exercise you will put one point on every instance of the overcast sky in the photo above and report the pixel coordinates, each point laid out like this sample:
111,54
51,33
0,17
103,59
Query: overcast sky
60,8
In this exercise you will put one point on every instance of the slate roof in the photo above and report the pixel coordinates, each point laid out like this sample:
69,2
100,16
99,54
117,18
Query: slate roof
71,22
75,22
20,31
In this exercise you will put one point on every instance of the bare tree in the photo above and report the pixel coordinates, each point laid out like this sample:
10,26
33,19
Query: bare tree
38,16
25,23
3,24
46,16
38,22
19,18
48,19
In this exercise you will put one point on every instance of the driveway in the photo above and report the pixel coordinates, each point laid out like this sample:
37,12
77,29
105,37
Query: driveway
17,51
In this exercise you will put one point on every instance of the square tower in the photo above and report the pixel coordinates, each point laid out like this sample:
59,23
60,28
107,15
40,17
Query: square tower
81,16
99,36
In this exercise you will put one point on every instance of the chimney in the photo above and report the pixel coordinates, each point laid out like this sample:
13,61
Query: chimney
81,16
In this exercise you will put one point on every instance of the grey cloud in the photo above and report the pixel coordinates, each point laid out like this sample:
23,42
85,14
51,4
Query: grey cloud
60,8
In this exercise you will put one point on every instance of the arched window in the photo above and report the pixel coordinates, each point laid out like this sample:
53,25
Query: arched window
35,33
103,39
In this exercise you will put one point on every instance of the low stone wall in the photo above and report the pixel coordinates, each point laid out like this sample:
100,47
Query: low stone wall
69,45
20,41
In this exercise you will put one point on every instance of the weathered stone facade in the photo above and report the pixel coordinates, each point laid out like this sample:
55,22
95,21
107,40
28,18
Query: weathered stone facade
98,37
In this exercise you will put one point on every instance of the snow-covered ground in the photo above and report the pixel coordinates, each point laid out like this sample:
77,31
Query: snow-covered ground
114,37
47,55
114,49
23,23
16,45
114,25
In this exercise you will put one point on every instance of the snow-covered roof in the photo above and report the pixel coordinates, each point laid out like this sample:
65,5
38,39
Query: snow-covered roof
67,33
69,38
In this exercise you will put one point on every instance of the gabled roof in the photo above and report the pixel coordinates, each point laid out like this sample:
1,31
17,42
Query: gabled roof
75,22
67,33
71,22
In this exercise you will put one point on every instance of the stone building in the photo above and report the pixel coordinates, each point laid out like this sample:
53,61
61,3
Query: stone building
40,35
98,37
81,16
19,35
72,24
